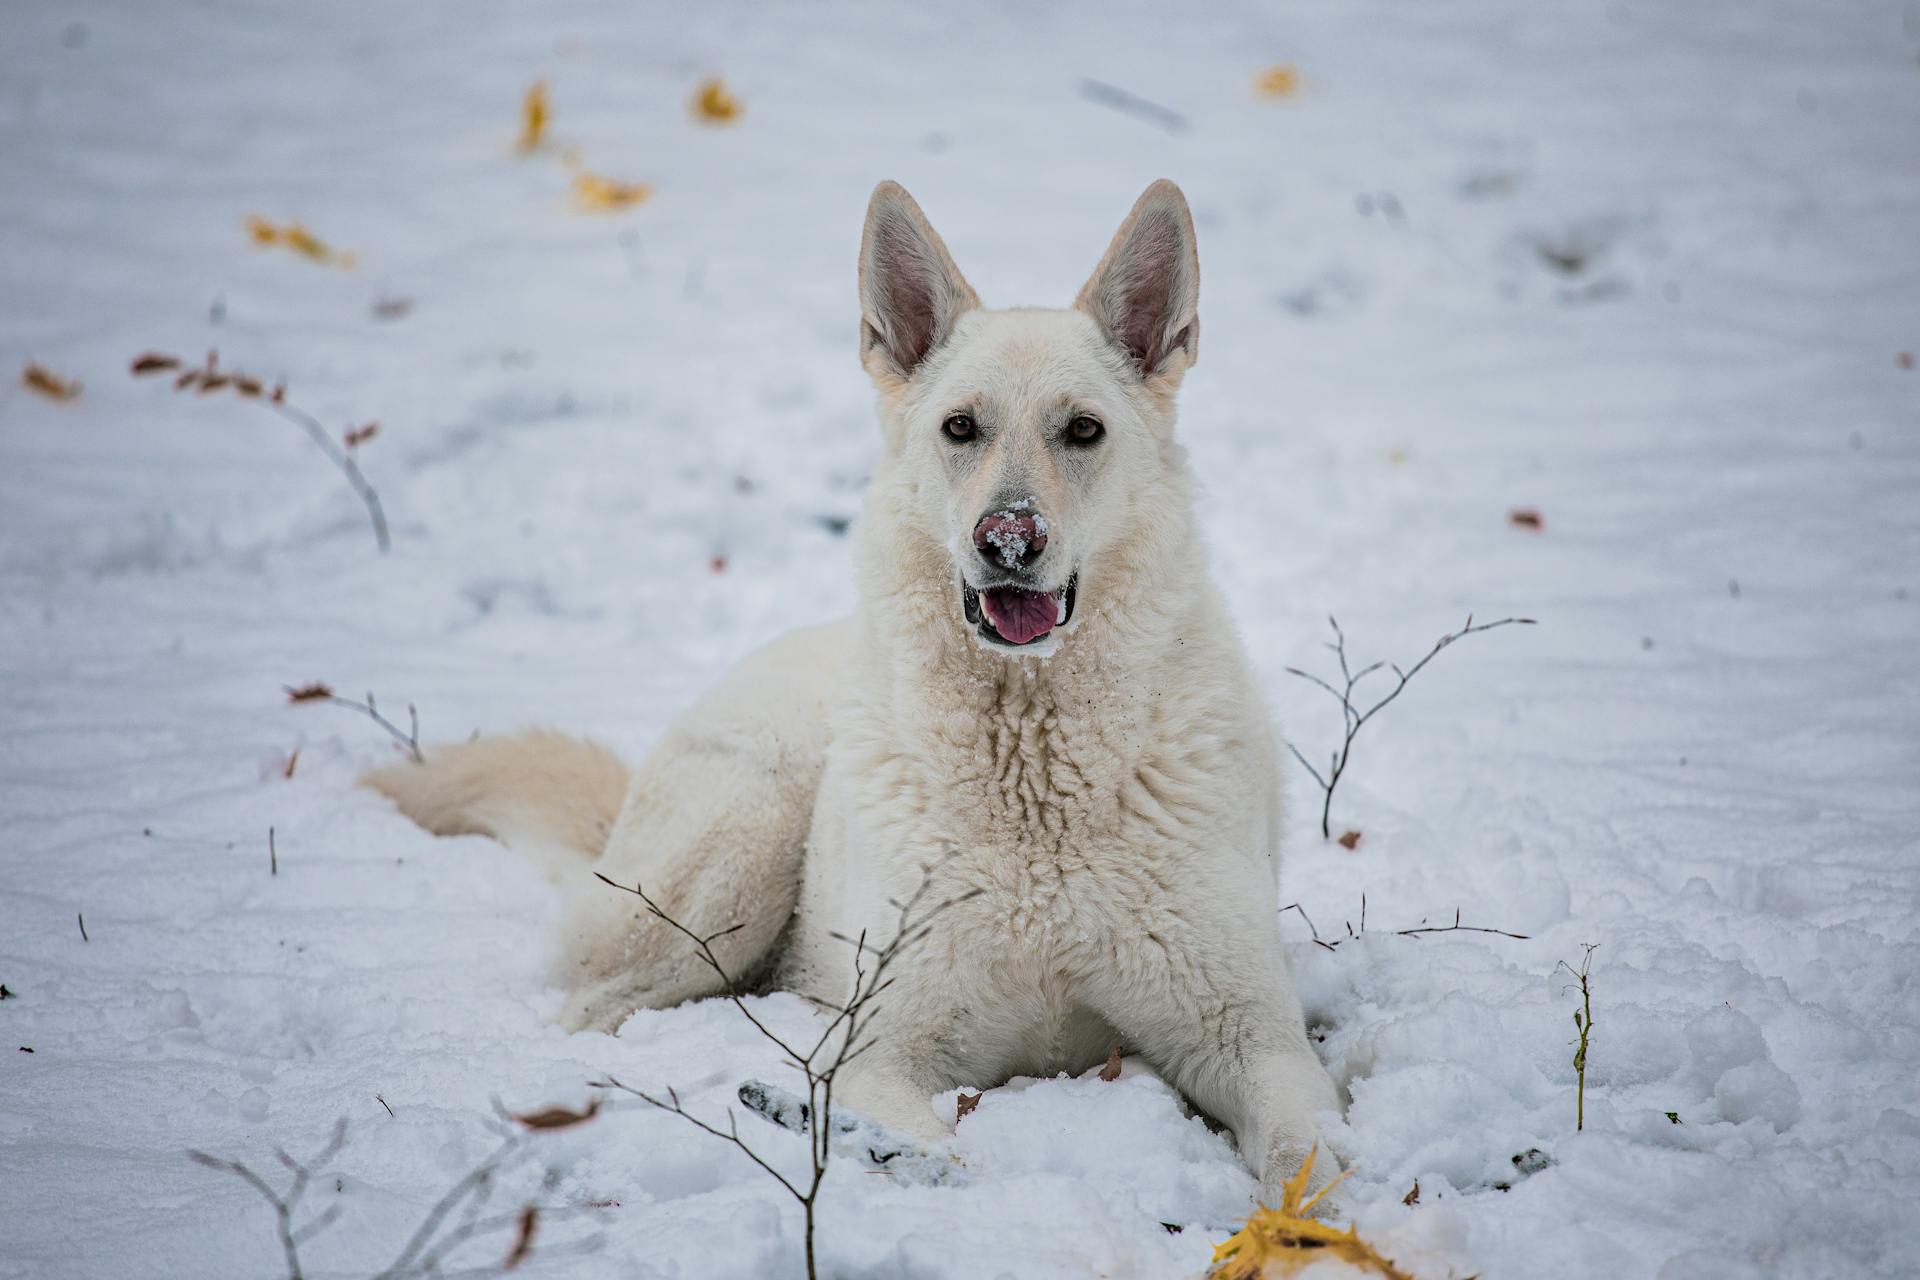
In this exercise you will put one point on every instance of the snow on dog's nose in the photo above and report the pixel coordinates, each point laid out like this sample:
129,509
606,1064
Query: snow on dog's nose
1012,538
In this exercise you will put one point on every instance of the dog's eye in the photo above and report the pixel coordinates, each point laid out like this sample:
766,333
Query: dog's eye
958,427
1084,430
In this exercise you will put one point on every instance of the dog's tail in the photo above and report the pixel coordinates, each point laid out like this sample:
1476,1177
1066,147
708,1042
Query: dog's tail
538,792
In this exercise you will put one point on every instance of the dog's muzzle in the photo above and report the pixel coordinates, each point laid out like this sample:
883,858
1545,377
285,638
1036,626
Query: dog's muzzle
1014,617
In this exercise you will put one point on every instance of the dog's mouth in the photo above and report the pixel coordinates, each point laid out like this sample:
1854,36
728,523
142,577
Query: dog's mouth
1015,617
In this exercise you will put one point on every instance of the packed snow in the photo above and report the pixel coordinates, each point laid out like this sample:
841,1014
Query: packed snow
1598,313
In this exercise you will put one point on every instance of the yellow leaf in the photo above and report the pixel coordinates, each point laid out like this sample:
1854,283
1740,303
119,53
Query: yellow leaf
1278,1242
37,377
1277,82
533,117
296,237
713,104
596,194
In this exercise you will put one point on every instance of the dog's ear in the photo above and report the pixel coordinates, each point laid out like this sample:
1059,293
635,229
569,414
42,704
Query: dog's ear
911,293
1145,293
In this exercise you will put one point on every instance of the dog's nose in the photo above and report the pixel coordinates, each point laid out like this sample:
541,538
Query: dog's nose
1011,539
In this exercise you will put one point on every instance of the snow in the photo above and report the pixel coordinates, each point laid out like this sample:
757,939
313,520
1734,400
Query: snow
1646,269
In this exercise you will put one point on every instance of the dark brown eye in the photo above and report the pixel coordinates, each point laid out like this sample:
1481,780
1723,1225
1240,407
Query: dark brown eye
958,427
1084,430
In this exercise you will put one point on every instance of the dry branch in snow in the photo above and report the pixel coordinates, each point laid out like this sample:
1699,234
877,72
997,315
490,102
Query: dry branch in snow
409,738
845,1037
210,378
1355,719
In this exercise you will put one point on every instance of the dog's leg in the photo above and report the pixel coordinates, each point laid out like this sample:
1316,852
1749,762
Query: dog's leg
713,830
1222,1025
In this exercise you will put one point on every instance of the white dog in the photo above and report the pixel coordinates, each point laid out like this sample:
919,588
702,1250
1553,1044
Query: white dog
1041,699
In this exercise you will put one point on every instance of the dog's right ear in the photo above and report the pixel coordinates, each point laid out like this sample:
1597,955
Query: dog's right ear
911,293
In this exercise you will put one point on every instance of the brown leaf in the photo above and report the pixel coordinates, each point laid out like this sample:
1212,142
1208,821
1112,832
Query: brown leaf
211,382
279,392
713,104
558,1117
1349,840
308,692
187,379
597,194
534,114
1277,82
1526,518
717,565
523,1237
154,362
963,1106
360,435
293,762
1413,1196
39,378
1111,1071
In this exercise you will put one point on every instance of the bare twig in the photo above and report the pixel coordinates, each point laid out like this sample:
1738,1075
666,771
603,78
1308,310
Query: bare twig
1112,95
81,916
211,378
1353,719
287,1204
410,738
1422,928
273,855
844,1038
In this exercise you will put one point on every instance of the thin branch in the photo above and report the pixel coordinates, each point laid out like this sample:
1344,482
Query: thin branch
839,1042
287,1204
1355,719
410,739
1112,95
211,378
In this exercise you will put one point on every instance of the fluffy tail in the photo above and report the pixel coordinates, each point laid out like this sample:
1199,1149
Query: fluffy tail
535,791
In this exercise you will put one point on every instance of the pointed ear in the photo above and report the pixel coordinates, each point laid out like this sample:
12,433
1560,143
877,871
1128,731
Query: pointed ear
1145,293
911,294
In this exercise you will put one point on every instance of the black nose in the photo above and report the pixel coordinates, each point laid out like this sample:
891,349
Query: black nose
1011,539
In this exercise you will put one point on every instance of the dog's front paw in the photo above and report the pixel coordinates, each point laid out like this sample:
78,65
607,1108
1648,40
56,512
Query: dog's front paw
854,1136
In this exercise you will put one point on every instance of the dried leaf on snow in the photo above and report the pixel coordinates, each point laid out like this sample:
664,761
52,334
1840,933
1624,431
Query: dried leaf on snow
714,104
1277,82
1279,1242
534,114
596,194
37,377
558,1117
296,237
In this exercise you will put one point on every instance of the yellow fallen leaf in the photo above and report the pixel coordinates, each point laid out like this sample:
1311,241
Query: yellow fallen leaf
1278,1242
1277,82
533,117
713,104
37,377
296,237
596,194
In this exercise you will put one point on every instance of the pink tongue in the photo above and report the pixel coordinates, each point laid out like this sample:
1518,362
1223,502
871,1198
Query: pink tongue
1020,616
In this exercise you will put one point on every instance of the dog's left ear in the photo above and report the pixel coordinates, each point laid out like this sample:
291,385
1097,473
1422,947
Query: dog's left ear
1145,293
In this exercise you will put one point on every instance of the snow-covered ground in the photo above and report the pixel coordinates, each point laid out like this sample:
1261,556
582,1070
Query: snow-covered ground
1646,268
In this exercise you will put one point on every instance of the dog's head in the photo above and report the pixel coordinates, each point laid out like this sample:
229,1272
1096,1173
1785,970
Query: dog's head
1026,441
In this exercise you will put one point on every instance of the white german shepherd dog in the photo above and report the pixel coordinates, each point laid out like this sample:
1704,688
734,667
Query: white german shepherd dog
1041,699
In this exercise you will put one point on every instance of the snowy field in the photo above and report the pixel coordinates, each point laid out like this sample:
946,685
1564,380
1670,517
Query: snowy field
1645,269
